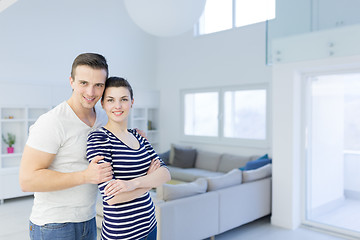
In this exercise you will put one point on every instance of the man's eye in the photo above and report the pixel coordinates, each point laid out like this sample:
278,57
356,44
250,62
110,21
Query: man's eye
82,83
124,99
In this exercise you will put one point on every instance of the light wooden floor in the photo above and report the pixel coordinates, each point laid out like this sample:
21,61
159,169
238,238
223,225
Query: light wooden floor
14,215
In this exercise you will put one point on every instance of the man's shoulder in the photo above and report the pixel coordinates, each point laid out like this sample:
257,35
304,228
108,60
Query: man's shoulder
56,111
49,117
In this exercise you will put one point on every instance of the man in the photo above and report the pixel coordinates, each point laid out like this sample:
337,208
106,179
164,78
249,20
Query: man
54,163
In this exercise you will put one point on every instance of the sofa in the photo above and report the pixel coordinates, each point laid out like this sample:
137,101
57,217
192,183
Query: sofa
210,193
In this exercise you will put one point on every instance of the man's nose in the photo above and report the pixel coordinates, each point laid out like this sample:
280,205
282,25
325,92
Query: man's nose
90,91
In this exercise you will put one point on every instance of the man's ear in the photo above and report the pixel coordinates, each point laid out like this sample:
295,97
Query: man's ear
71,82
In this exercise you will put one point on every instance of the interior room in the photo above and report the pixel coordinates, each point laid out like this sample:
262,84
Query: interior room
299,68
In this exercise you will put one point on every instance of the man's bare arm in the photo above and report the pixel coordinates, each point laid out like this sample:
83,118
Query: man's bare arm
36,177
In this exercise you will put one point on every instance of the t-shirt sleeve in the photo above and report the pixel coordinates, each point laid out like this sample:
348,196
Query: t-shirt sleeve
98,144
46,134
148,147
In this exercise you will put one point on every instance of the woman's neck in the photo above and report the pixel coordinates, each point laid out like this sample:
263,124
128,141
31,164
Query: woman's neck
115,127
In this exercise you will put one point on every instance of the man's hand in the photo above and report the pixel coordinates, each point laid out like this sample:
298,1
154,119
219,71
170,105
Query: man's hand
98,172
118,186
141,132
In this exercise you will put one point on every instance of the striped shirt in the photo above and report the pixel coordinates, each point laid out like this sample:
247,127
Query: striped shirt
134,219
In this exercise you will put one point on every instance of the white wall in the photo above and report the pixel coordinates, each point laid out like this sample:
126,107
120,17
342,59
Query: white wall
40,39
228,58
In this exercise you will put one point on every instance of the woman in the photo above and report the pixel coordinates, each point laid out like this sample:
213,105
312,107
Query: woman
129,212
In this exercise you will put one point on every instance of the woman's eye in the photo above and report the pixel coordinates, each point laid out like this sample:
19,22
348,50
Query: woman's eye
124,99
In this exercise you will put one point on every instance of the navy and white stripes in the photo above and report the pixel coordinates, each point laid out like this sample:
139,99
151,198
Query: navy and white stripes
136,218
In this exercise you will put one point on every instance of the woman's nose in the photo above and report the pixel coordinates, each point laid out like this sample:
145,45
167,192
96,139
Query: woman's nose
118,104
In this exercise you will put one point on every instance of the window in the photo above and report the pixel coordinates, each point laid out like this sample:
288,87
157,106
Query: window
217,16
236,115
221,15
253,11
245,114
201,112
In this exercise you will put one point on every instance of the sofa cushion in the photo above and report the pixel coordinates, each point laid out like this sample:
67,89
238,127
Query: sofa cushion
231,178
172,151
256,174
207,160
165,156
190,174
168,192
184,158
229,162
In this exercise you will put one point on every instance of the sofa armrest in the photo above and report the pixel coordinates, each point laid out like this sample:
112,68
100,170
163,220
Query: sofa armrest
195,217
244,203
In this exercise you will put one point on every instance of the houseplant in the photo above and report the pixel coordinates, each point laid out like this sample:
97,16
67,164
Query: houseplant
10,140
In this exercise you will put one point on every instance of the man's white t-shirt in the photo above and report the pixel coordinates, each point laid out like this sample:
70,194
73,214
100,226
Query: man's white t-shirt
61,132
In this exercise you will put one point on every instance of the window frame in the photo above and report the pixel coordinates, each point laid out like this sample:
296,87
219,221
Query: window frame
220,139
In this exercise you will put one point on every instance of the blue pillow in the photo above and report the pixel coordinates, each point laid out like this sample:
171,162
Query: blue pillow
263,157
261,161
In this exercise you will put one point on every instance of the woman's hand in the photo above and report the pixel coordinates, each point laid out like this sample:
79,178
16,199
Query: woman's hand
118,186
155,164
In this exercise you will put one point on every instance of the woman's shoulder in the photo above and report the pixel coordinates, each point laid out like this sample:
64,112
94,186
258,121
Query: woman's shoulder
135,132
99,133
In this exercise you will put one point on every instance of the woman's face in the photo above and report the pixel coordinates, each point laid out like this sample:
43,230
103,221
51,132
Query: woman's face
117,103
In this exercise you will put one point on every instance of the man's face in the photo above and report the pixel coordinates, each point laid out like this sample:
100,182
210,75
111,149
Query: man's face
88,85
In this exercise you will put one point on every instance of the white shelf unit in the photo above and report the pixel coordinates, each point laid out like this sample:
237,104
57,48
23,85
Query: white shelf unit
146,119
15,120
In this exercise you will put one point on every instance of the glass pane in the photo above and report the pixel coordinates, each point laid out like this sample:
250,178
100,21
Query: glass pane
254,11
333,157
352,113
201,114
245,114
217,16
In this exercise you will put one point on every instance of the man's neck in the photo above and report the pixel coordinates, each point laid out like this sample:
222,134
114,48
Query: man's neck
87,115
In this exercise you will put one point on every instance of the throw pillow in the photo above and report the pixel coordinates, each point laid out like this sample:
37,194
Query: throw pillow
165,157
231,178
184,158
168,192
261,161
172,151
256,174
